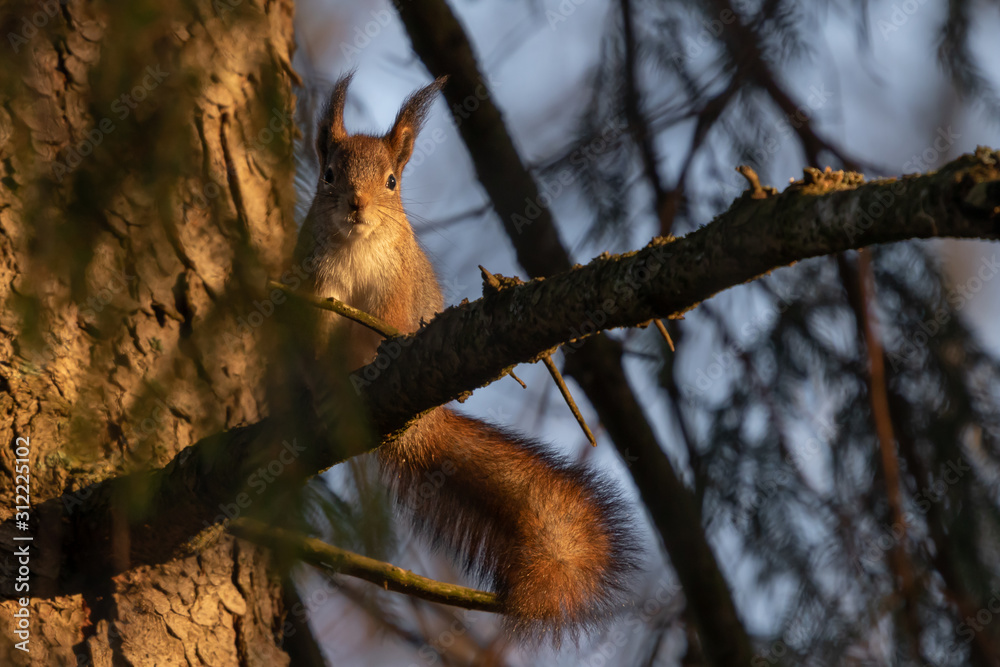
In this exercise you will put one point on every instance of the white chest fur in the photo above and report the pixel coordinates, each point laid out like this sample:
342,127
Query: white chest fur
360,271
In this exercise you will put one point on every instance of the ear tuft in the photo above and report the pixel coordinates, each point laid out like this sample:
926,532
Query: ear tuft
331,128
400,139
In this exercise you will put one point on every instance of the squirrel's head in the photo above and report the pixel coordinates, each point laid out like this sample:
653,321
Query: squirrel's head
359,175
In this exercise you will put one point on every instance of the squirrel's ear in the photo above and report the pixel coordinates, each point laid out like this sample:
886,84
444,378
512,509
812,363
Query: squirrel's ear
331,124
403,134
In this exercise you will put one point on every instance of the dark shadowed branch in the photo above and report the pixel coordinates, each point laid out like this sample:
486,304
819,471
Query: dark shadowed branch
440,41
827,212
470,345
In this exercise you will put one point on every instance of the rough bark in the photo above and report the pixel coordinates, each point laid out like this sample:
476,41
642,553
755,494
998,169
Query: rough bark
474,343
119,273
127,224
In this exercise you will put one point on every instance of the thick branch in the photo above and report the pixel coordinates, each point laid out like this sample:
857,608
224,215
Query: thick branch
469,345
826,213
443,46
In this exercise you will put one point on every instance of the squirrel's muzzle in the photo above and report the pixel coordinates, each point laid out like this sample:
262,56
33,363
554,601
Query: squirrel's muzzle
357,205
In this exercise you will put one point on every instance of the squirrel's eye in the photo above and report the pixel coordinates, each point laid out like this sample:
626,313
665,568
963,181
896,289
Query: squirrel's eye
328,175
391,182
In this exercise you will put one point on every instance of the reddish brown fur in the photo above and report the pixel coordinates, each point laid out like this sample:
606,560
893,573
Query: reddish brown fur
547,535
550,537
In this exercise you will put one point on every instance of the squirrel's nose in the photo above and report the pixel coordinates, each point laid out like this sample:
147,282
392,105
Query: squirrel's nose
358,202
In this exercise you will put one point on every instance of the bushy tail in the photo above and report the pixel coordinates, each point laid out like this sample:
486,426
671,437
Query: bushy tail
552,539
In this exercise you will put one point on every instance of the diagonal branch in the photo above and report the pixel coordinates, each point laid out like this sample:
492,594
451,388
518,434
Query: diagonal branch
557,377
878,397
827,212
444,47
472,344
384,329
392,578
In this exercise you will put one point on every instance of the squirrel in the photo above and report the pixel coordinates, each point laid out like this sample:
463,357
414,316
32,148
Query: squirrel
552,539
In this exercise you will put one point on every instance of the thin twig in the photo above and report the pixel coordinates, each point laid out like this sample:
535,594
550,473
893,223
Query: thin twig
351,313
744,45
391,578
568,397
758,191
879,397
638,125
666,334
461,216
519,380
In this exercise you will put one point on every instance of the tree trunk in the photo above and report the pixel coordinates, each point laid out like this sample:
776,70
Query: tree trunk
145,152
